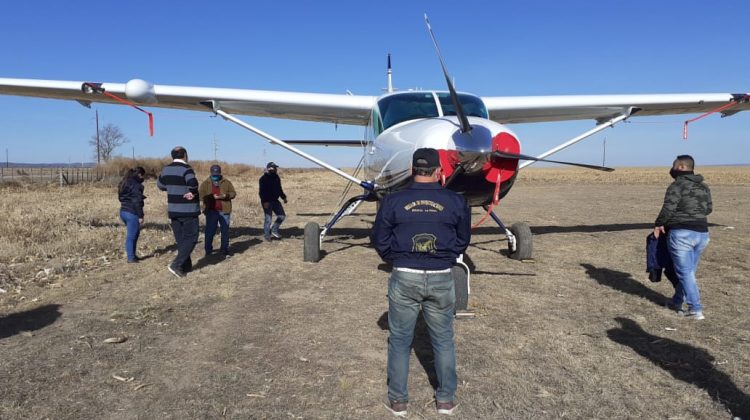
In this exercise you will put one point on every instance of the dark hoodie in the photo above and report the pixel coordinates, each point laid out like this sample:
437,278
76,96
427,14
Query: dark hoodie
269,187
131,196
687,202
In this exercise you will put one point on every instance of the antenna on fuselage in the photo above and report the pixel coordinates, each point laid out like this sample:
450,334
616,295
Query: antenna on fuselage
465,126
390,75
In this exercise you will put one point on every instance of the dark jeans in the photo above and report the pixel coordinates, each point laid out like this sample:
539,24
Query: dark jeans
185,231
214,218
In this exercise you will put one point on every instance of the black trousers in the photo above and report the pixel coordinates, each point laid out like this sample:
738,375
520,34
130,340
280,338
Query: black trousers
185,231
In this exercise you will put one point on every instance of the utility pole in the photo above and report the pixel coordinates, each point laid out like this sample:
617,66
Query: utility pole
133,153
604,150
216,147
6,158
98,155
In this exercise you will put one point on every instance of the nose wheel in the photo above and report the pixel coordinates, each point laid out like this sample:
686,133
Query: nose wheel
519,241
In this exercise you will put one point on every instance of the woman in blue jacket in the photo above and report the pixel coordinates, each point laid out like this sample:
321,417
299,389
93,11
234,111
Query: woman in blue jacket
130,192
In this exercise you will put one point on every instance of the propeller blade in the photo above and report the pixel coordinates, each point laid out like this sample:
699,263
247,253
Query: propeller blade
465,126
527,157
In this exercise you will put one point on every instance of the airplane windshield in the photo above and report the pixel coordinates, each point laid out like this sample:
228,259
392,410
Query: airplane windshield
472,106
407,106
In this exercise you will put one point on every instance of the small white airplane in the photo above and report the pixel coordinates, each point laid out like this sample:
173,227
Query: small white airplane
479,154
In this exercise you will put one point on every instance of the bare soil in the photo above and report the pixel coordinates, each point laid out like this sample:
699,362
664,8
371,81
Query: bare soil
579,333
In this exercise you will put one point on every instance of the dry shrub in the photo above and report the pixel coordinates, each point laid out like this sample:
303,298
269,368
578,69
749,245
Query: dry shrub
153,166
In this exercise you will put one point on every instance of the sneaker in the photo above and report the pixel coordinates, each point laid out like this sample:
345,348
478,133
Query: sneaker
133,261
398,409
267,238
670,305
276,235
696,315
176,271
676,308
446,408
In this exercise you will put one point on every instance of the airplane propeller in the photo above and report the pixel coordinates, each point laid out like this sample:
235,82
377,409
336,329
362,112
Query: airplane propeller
465,126
506,155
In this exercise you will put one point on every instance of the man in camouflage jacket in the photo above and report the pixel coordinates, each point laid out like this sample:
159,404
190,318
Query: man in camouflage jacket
687,202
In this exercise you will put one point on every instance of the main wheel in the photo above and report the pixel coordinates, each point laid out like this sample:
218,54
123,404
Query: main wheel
312,242
522,232
461,280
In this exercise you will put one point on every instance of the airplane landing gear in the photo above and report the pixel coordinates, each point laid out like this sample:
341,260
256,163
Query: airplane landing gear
314,235
520,242
521,233
311,252
461,276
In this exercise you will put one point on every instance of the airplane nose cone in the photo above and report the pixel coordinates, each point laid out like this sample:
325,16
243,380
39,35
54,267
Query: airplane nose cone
478,139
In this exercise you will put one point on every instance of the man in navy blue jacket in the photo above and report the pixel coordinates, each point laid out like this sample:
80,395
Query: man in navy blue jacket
421,230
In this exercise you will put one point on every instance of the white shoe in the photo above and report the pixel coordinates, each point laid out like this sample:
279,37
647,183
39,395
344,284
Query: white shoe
696,315
276,235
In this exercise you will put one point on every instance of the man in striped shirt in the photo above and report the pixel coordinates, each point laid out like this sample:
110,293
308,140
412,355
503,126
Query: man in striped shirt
179,181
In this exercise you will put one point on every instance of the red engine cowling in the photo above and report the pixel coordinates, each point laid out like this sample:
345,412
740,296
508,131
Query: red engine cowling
506,168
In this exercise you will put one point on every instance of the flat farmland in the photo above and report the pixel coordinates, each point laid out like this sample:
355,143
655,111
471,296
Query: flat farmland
578,333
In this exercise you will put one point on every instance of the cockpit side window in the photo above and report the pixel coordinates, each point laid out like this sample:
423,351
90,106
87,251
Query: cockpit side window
472,105
376,122
404,107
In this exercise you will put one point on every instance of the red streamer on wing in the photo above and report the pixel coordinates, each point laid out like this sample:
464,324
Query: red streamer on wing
126,102
732,103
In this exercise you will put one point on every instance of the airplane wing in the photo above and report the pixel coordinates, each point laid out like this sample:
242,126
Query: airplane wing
341,109
531,109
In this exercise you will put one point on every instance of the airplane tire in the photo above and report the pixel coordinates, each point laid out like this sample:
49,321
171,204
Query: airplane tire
461,280
312,242
524,247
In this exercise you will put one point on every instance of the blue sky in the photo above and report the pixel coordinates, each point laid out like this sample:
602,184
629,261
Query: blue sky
491,48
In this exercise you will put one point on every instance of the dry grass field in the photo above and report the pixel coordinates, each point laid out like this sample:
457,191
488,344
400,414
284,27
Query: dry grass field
579,333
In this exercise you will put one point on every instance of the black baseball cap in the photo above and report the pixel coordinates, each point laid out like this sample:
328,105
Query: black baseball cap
270,165
425,158
215,170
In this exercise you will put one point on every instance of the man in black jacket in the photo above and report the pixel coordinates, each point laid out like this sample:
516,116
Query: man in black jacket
270,191
179,181
421,230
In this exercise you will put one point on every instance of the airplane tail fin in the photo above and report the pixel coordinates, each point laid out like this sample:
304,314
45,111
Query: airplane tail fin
389,89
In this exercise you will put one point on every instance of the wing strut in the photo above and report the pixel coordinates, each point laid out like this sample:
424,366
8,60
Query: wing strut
606,124
216,109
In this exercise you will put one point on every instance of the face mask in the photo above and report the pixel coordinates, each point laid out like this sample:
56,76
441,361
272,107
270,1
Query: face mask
674,173
215,178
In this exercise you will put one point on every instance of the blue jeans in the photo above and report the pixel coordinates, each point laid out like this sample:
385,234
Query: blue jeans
435,294
212,219
275,207
133,231
685,248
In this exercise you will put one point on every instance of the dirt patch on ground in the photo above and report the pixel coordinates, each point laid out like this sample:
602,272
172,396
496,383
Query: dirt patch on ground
580,333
